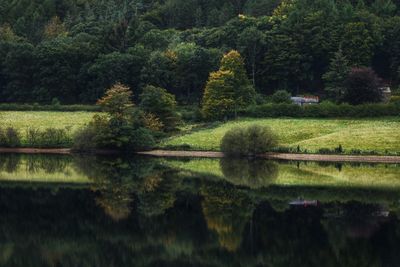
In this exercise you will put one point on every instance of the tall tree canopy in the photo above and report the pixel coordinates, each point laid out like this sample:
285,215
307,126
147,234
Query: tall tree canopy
73,50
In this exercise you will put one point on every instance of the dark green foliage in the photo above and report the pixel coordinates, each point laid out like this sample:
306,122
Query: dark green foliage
339,149
362,86
9,137
159,102
97,134
249,141
74,50
48,138
281,96
122,128
141,139
336,76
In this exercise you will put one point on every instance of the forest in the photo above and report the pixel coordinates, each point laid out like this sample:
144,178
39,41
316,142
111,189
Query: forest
71,51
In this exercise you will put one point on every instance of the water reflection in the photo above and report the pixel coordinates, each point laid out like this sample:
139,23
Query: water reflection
153,212
249,172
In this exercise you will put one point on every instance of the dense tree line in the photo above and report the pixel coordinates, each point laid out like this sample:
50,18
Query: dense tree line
73,50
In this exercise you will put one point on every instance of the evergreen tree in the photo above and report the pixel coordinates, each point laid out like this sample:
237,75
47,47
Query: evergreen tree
228,89
336,75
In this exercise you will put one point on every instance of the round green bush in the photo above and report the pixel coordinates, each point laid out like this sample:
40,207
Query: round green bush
249,141
281,97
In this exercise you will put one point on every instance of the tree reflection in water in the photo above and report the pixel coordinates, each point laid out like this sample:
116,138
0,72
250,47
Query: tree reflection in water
142,212
252,173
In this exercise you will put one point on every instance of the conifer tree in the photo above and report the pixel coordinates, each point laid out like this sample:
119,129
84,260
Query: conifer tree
227,89
336,75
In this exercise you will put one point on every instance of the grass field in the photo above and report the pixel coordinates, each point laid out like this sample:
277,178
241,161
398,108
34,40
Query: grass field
23,120
378,134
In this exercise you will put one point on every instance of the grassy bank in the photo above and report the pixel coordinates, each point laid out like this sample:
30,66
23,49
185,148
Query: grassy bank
41,120
379,135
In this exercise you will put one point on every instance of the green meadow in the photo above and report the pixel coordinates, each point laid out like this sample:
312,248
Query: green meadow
23,120
378,134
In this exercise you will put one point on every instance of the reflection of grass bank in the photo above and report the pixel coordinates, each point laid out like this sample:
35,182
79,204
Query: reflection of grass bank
380,135
39,169
308,174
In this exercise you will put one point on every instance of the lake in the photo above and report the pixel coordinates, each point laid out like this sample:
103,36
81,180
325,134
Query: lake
110,211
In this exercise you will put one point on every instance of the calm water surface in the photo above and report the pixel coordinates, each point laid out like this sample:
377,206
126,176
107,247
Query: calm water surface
98,211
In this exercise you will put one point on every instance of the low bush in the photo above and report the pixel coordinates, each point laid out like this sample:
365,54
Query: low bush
326,151
249,141
162,104
281,96
100,134
48,138
97,134
140,139
10,137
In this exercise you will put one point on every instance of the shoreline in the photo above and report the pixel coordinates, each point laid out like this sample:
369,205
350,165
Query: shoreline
212,154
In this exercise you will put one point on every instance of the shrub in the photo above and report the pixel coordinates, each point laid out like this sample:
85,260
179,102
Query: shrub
140,139
325,150
159,102
3,139
281,96
54,138
249,141
151,122
362,86
339,149
84,139
32,136
97,134
13,138
235,142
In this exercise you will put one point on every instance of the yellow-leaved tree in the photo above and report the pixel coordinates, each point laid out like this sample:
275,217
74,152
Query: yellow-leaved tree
227,89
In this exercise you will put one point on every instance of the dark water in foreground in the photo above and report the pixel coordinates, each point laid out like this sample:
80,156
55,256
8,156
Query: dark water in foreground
90,211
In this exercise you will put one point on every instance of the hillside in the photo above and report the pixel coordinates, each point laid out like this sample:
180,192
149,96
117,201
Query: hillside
73,50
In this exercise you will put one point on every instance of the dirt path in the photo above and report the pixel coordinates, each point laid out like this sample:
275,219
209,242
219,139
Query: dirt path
281,156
